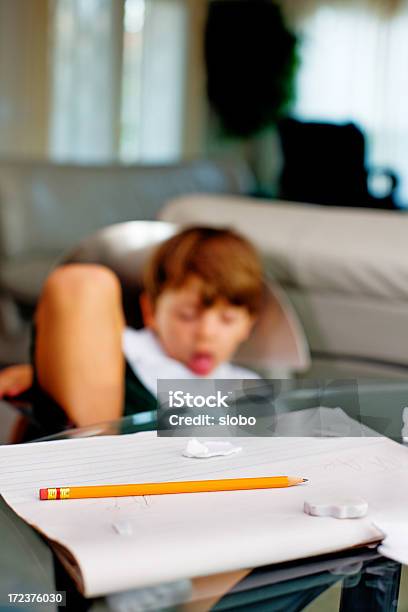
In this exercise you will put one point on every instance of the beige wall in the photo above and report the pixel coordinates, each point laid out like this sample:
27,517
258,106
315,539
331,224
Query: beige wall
23,77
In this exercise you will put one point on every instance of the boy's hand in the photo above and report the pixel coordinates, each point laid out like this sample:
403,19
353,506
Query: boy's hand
15,380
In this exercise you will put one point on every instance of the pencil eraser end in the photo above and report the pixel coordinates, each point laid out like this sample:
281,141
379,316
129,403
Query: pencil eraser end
43,493
340,508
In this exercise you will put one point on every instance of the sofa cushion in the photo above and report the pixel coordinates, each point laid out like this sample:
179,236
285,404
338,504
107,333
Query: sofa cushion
335,250
354,328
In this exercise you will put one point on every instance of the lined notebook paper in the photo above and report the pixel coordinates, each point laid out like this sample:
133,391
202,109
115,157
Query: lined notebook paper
178,536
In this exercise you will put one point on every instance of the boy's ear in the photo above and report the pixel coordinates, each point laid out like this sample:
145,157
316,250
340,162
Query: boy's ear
147,309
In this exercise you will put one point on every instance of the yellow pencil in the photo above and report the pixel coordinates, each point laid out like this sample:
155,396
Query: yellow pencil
163,488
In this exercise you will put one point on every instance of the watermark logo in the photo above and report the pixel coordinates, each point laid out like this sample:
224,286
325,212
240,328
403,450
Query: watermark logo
281,407
180,399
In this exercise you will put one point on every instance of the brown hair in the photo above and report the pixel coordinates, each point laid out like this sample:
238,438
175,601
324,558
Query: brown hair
226,263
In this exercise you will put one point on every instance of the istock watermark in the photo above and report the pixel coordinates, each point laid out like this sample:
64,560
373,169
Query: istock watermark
281,407
180,399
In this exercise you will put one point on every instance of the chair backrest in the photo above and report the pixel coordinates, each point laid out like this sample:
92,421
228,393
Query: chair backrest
323,163
124,248
277,341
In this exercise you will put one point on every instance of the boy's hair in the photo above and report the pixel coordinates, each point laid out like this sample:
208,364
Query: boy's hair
226,263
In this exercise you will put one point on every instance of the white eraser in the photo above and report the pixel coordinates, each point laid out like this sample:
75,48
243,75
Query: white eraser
342,508
204,450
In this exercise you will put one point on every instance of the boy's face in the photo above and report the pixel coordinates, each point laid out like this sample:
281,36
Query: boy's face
199,337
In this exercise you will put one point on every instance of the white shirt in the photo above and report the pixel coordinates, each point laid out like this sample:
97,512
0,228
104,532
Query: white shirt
149,362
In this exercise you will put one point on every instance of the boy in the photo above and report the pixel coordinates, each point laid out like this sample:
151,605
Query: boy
202,293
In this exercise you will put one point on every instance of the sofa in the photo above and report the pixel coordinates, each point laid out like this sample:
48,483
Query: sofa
344,270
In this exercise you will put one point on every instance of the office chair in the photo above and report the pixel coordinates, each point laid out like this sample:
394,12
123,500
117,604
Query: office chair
325,163
277,341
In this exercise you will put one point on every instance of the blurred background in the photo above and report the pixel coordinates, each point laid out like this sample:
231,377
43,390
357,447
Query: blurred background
156,81
111,109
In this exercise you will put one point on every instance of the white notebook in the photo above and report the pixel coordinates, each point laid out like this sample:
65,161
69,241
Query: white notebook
169,537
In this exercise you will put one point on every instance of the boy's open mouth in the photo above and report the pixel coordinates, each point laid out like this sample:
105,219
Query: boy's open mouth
201,363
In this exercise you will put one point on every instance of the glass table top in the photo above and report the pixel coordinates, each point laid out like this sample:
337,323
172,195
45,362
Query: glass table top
363,578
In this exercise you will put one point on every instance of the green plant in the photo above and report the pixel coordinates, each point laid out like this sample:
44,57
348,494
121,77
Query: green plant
251,58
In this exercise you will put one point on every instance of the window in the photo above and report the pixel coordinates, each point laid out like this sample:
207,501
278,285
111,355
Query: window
354,68
134,19
117,79
153,79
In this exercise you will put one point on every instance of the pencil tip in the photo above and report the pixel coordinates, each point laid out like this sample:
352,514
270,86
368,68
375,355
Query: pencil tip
305,479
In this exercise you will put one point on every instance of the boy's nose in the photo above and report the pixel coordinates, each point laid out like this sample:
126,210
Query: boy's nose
207,326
